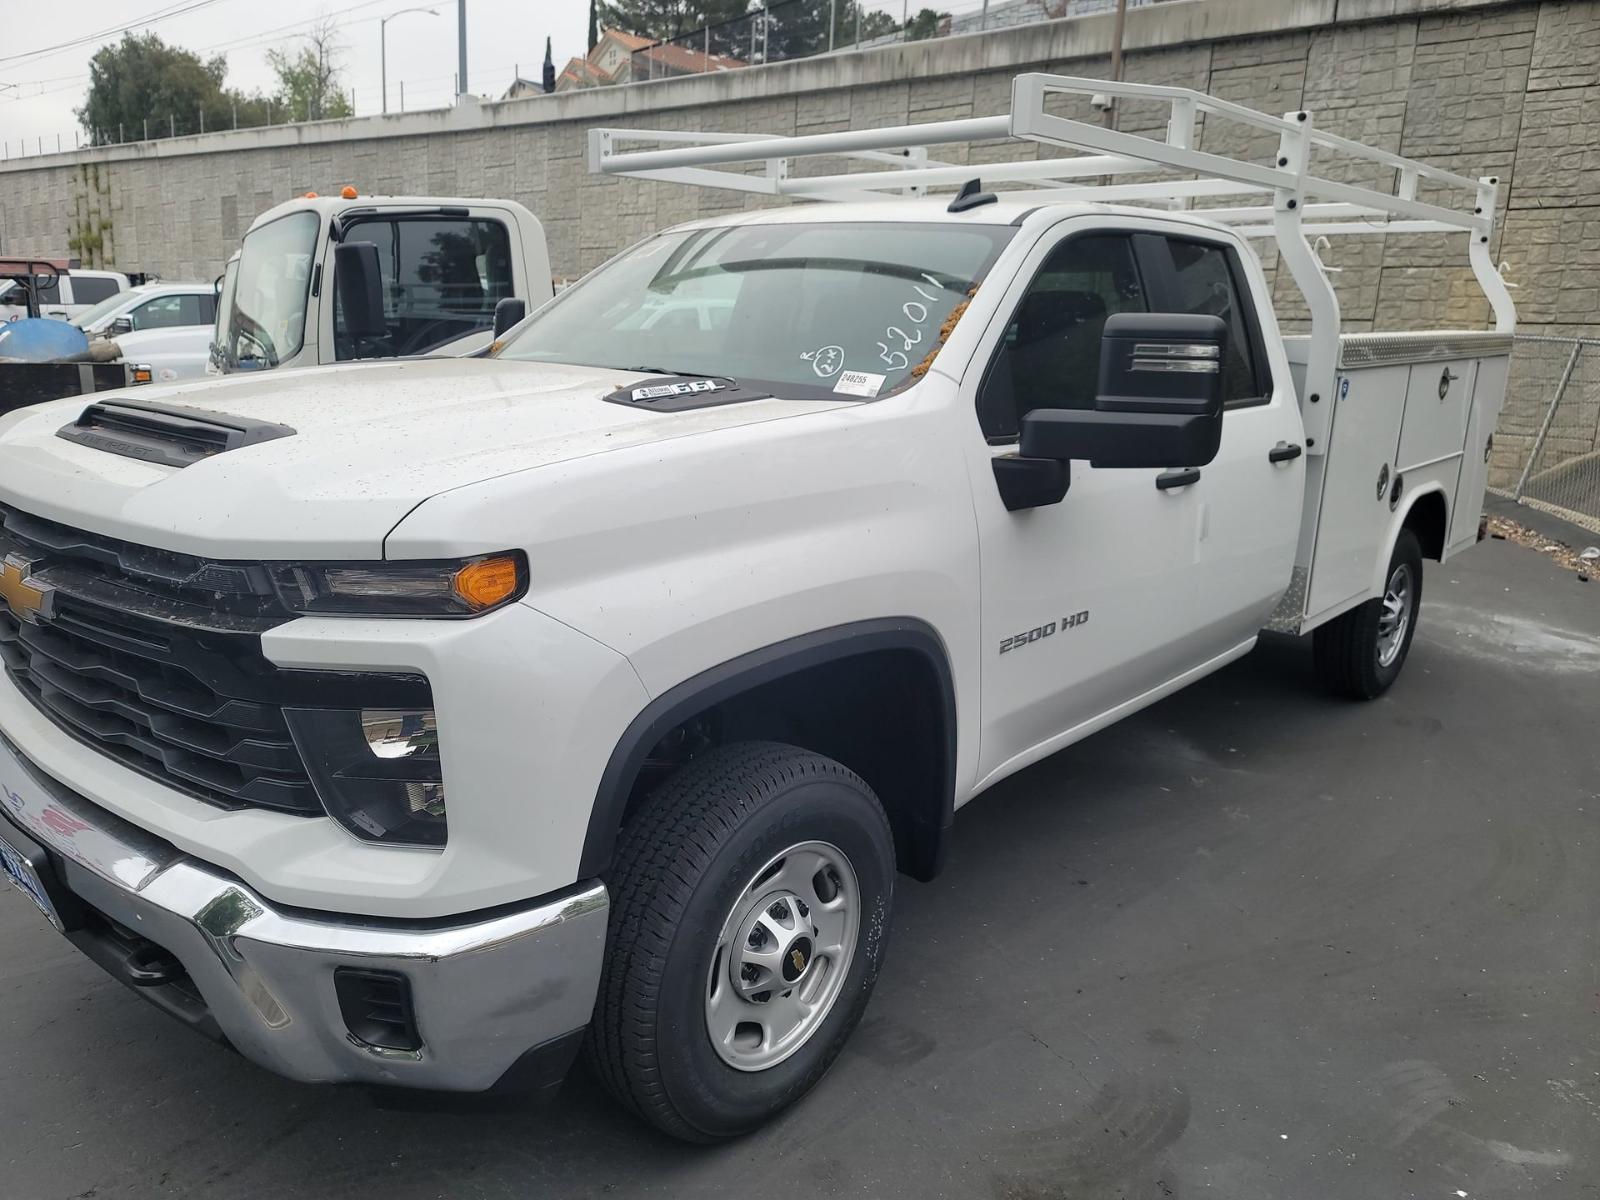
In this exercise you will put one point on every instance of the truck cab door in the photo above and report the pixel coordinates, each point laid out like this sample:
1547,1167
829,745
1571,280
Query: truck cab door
1093,601
1252,493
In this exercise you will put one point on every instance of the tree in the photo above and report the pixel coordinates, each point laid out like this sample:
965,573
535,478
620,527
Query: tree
925,25
666,19
141,79
309,79
801,28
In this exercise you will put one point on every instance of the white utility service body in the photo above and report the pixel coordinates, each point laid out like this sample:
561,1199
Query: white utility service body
445,261
731,618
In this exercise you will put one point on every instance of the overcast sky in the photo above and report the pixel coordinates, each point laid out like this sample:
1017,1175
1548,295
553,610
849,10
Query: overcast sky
37,95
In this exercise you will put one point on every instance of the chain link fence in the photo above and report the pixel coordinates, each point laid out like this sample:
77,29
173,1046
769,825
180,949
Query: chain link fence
790,29
1547,446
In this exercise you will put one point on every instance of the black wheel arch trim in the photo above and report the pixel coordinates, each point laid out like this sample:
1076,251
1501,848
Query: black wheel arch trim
929,826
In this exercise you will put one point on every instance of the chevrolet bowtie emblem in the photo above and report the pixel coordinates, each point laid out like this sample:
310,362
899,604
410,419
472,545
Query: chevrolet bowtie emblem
798,959
28,601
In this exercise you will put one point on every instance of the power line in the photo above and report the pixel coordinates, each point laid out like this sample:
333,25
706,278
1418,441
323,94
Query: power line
162,14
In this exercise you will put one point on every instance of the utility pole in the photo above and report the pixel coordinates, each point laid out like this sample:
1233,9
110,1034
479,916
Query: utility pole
461,47
1116,61
833,19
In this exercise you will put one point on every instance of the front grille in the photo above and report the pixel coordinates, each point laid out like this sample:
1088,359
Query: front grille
154,658
114,682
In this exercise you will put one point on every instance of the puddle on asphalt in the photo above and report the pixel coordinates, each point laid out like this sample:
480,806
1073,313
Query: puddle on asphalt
1513,641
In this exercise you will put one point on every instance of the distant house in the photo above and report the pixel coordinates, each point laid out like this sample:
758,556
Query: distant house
620,57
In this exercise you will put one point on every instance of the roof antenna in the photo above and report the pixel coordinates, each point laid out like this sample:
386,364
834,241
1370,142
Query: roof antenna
971,195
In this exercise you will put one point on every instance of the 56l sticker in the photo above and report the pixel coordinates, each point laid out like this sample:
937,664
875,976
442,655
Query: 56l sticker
1039,632
661,391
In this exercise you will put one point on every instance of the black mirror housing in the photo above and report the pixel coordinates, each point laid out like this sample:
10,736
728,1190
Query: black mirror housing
122,324
1159,400
508,311
1161,362
359,278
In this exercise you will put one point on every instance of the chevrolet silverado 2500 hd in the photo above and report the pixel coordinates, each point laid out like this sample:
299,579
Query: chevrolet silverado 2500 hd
417,723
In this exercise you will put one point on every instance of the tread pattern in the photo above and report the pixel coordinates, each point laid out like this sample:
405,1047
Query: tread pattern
663,853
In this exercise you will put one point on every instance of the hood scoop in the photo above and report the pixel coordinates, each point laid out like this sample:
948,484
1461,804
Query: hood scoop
157,433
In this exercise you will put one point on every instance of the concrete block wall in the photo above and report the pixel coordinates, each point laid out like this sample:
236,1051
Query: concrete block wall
1479,86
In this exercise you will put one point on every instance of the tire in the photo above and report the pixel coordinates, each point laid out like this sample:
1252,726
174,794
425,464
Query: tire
1357,654
696,868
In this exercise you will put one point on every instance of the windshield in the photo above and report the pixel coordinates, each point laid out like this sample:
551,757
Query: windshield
800,309
106,307
262,318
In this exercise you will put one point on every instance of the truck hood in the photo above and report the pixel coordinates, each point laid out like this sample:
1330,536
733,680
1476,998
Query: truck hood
370,443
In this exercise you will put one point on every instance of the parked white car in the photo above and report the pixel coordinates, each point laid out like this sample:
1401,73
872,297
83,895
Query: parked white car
151,306
63,296
416,723
179,353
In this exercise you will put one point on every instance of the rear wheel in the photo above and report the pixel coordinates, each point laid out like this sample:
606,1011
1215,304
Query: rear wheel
750,904
1360,653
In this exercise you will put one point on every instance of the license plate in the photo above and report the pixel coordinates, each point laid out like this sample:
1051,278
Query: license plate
25,879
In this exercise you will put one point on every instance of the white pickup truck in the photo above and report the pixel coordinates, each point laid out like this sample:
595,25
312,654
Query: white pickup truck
331,279
416,723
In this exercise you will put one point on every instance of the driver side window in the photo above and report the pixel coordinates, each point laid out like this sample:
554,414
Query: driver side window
1049,354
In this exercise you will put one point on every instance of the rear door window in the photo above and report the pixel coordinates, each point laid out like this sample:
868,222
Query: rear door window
91,289
168,312
1206,283
442,277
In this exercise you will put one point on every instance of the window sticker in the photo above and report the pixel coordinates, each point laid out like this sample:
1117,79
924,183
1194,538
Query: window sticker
859,383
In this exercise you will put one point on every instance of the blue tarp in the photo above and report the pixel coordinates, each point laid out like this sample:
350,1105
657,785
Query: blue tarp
39,339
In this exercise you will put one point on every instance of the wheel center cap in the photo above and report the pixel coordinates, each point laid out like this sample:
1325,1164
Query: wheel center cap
777,947
797,959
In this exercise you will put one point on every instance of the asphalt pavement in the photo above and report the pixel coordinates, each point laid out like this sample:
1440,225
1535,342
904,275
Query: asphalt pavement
1252,942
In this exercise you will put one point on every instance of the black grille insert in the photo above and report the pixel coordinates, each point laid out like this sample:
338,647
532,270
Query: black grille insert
154,659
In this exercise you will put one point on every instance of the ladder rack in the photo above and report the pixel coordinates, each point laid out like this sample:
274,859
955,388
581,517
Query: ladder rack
1284,198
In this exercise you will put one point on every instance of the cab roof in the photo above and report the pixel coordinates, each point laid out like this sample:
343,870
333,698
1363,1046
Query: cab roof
1009,208
330,206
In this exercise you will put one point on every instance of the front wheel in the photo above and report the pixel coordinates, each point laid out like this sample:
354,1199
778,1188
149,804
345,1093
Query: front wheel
750,905
1360,653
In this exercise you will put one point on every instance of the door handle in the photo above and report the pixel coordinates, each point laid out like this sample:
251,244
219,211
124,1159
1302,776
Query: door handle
1179,478
1284,452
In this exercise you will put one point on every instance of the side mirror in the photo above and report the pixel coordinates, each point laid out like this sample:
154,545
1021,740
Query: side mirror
120,325
1158,403
509,311
359,278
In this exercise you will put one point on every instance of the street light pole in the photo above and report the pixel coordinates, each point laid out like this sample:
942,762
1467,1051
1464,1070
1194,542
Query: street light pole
383,51
461,48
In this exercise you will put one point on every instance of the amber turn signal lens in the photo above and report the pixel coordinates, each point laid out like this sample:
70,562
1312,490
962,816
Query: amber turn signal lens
487,582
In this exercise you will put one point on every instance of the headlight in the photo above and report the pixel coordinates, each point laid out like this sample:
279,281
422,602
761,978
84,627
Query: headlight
432,588
376,770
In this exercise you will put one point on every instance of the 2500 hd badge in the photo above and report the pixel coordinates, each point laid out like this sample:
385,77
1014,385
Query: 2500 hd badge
1040,632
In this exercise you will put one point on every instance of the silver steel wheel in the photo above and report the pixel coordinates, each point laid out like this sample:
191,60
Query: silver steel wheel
782,956
1395,619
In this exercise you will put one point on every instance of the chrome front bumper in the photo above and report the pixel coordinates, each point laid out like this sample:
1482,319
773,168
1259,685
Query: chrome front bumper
511,988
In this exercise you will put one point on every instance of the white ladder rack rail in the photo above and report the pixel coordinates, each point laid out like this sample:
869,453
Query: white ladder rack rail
1282,199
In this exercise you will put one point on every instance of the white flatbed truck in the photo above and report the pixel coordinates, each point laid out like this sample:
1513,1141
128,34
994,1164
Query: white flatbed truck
417,723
